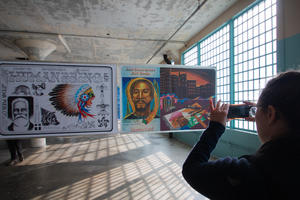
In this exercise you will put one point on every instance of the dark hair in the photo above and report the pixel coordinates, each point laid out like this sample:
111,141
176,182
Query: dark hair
27,98
283,92
144,81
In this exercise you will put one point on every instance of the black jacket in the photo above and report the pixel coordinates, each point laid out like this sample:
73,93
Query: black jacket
272,173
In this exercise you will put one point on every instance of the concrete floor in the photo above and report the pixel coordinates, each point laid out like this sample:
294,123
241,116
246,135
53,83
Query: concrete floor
127,166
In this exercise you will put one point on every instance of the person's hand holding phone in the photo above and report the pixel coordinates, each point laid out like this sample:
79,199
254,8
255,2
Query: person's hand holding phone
219,112
252,119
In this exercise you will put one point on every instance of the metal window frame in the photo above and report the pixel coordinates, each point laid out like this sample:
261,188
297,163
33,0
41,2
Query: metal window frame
232,55
188,50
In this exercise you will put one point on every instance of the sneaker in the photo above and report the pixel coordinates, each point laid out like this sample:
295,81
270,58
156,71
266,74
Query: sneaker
21,157
12,162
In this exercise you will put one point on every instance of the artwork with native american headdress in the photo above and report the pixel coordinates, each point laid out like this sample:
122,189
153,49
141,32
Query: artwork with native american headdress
73,100
57,99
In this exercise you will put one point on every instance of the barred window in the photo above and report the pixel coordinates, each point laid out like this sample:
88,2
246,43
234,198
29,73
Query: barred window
244,53
191,56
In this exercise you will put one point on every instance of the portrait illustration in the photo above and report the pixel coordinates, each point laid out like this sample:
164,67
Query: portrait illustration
142,99
20,109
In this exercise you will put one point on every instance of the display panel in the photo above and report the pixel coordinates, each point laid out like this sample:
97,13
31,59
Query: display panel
184,97
42,99
140,98
183,94
63,99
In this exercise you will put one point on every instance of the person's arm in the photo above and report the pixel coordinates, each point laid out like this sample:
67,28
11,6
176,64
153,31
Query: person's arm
207,143
210,178
202,150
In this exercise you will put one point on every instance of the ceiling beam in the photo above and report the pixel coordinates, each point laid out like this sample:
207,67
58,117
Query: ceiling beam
90,36
168,40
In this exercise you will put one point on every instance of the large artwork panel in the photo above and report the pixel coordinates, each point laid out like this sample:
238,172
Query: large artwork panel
59,99
184,97
45,99
140,98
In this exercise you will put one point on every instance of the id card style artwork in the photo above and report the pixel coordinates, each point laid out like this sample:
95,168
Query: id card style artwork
140,98
55,99
184,97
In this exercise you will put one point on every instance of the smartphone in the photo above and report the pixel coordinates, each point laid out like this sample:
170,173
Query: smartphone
238,111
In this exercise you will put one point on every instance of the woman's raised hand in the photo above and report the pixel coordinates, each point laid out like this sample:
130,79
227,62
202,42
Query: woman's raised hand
219,112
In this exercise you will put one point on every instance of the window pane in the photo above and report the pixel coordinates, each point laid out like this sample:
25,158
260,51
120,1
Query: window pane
191,56
216,53
259,54
254,50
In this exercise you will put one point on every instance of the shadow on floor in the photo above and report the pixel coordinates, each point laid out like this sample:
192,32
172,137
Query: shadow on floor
131,166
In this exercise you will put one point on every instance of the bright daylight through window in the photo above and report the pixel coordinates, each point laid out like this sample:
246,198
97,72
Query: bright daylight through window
244,53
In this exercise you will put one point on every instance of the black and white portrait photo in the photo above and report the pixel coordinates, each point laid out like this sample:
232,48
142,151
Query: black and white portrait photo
20,109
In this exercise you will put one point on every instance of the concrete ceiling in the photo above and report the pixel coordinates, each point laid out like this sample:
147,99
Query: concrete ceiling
104,31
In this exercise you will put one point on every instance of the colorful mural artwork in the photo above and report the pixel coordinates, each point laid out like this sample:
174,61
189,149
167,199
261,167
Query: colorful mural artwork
140,99
175,98
73,100
184,97
46,98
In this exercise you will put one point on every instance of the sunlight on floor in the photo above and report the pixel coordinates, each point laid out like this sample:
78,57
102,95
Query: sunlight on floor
151,177
86,150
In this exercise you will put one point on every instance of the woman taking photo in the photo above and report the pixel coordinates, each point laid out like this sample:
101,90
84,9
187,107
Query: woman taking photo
274,170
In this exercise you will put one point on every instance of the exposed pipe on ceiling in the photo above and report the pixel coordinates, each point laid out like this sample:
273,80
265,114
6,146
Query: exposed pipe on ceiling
165,43
89,36
64,42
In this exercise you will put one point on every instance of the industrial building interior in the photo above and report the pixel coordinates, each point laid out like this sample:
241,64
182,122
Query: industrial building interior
247,41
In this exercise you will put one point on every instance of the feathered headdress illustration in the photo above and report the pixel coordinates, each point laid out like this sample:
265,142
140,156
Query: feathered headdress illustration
73,100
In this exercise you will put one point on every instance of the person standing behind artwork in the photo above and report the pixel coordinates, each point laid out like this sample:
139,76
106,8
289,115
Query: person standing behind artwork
140,93
20,109
273,171
15,149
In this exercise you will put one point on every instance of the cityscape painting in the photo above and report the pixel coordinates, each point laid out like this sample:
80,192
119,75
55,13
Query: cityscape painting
184,97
